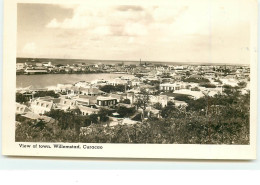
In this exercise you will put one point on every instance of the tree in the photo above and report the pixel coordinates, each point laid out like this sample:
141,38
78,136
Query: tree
181,97
242,84
111,88
169,110
142,101
107,88
103,114
126,101
20,98
158,106
207,85
93,118
125,112
46,93
196,80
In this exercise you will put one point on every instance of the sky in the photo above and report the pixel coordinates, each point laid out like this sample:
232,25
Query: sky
179,31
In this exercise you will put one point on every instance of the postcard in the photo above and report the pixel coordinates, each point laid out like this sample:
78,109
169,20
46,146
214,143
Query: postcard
130,79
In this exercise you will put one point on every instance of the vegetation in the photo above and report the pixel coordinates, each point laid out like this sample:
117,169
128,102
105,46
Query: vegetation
125,112
126,101
196,80
46,93
23,98
20,98
111,88
222,119
207,85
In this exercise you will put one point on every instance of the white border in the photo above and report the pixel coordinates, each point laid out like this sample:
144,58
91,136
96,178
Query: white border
184,151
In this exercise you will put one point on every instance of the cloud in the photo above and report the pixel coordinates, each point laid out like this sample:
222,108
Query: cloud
129,8
53,24
29,48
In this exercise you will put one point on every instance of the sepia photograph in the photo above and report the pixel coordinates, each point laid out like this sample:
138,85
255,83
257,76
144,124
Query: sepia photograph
175,73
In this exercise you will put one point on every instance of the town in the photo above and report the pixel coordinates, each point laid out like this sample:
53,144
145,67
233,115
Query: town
152,92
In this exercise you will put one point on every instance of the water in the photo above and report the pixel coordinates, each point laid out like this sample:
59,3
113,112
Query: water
51,80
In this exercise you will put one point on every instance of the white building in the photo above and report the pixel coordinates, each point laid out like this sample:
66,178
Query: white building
87,110
42,105
21,109
20,66
170,86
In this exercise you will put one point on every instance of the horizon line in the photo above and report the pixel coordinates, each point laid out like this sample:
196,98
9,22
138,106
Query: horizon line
154,61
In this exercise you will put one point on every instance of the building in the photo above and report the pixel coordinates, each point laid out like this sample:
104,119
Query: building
43,105
117,81
82,84
21,109
38,64
85,100
131,97
47,64
66,103
180,103
106,101
87,110
64,87
35,71
91,91
20,66
170,87
162,99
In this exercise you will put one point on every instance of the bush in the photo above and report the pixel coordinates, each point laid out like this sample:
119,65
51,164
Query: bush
207,85
195,80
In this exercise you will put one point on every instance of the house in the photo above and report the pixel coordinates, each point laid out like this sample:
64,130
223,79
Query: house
82,84
162,99
117,81
180,103
66,103
20,66
118,97
42,105
85,100
87,110
47,64
106,101
170,86
131,97
99,82
21,109
91,91
153,111
177,77
38,64
64,87
196,76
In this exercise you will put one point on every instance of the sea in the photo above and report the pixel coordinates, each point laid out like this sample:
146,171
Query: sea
50,81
